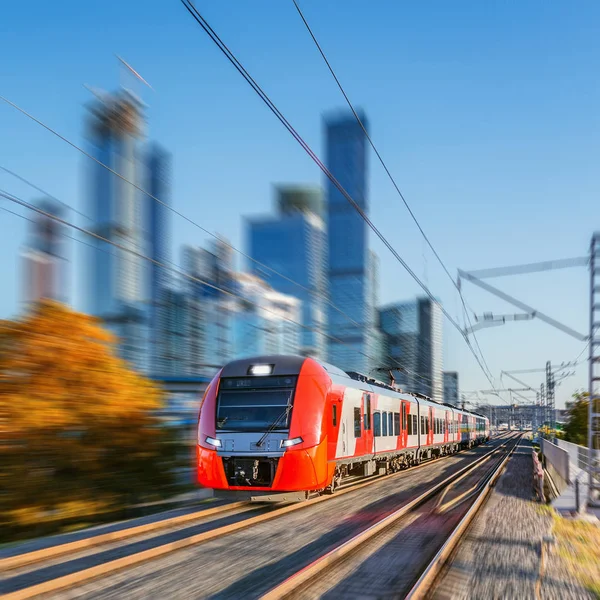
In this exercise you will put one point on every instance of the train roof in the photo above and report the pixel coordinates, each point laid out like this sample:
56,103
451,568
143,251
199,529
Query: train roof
282,364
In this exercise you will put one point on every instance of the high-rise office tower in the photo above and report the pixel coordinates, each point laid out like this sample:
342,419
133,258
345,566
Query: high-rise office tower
209,305
350,283
115,274
161,314
44,264
414,343
294,244
451,387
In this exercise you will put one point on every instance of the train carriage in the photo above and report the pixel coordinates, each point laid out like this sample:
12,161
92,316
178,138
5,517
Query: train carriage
284,426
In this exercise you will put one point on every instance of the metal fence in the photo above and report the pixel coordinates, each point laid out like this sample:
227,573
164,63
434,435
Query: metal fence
557,464
578,455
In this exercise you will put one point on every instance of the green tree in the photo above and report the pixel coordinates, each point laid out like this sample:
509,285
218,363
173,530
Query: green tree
79,433
576,427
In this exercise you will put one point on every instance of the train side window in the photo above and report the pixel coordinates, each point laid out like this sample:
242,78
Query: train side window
368,412
357,422
409,428
404,417
415,428
334,414
426,426
396,424
391,423
384,423
377,424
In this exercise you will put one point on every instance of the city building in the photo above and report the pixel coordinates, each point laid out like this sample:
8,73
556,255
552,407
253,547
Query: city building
451,387
157,218
264,321
44,263
349,257
209,305
115,275
293,243
414,343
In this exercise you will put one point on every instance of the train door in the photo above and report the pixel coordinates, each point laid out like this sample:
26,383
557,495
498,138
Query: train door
367,423
404,434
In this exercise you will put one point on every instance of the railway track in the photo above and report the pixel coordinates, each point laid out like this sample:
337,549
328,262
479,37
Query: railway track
60,567
387,559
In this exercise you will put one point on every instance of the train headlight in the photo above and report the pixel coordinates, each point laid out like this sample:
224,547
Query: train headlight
292,442
260,369
213,442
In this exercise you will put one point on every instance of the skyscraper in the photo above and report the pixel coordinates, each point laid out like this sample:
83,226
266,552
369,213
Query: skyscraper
44,265
161,314
208,305
451,387
115,286
294,244
349,256
414,342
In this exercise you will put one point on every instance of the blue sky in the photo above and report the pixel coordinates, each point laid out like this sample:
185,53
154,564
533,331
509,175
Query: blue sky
485,112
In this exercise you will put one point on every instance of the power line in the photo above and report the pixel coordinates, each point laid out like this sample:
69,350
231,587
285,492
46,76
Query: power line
167,206
265,98
176,269
391,177
42,191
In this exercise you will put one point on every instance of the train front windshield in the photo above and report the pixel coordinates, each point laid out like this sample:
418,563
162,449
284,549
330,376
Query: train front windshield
255,403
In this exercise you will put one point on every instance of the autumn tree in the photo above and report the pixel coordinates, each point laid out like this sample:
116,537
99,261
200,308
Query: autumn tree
78,429
576,427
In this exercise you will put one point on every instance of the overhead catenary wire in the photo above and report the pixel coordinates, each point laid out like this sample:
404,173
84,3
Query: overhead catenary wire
175,268
165,205
391,177
265,98
396,365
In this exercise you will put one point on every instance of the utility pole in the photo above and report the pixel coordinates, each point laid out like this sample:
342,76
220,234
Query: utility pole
550,396
594,381
543,403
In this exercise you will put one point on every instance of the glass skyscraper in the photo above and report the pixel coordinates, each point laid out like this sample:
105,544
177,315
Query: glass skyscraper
115,283
164,304
293,243
349,258
414,343
451,387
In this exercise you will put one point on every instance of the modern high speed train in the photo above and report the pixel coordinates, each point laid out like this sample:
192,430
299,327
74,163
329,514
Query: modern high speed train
282,427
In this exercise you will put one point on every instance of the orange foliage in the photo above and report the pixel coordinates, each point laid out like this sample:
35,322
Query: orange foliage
77,428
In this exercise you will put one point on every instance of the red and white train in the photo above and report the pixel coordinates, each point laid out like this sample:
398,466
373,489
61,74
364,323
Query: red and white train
284,426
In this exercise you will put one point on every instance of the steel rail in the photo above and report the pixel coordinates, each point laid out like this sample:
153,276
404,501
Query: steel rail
90,573
425,583
300,578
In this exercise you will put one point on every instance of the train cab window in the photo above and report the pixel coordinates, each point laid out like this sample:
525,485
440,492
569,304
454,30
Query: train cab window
334,414
357,432
391,424
396,424
384,423
377,424
404,417
368,412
